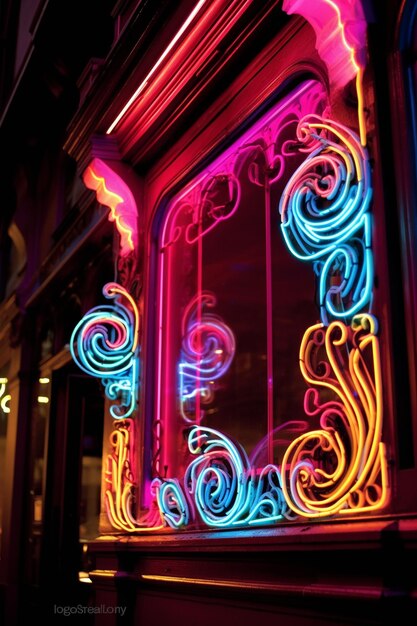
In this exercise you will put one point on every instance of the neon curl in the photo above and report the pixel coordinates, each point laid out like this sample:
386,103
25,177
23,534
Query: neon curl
325,216
121,484
340,467
4,398
104,344
208,348
172,503
225,489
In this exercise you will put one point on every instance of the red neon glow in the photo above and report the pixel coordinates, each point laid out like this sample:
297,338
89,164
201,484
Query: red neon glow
113,192
340,28
152,71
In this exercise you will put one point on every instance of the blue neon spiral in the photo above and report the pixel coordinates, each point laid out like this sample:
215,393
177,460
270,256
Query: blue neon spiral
325,215
102,345
171,502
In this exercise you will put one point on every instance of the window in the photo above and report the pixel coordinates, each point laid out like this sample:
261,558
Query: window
269,399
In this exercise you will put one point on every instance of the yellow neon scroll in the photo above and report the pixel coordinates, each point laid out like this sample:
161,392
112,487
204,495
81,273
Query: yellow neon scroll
121,483
339,467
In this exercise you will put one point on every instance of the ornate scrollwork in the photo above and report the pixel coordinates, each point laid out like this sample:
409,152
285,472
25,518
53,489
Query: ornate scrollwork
173,505
226,490
105,344
325,216
339,467
121,483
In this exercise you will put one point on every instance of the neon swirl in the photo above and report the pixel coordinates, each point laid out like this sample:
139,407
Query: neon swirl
121,484
172,503
225,489
326,219
105,344
208,348
341,466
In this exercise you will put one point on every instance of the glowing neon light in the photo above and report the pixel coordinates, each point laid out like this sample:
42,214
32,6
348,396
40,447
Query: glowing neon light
325,215
44,381
340,467
43,399
105,344
208,348
172,503
226,490
4,403
121,484
152,71
4,398
113,192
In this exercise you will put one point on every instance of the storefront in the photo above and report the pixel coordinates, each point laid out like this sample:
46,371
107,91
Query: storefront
220,404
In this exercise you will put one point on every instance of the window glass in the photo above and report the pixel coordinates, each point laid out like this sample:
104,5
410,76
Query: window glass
234,303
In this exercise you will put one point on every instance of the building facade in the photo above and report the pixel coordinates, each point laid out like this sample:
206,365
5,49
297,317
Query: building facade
208,399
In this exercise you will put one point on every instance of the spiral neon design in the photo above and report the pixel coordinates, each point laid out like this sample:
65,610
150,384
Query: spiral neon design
267,504
325,216
208,349
105,345
340,467
121,484
172,502
225,488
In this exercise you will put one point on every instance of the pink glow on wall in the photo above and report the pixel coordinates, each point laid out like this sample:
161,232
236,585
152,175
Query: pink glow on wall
340,28
112,191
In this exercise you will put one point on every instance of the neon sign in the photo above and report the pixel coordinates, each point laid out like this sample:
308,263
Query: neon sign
105,344
338,467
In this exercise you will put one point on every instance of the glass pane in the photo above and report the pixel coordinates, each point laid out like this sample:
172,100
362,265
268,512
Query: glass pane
234,303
